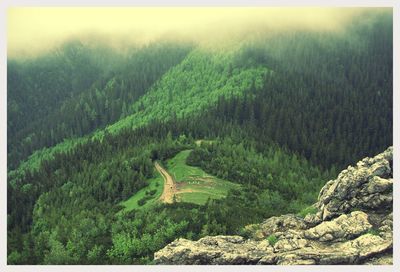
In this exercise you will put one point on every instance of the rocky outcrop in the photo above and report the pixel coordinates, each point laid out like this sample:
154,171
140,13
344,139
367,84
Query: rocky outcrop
340,229
366,186
353,224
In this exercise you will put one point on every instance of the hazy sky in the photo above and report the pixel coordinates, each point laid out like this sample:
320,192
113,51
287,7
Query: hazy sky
34,30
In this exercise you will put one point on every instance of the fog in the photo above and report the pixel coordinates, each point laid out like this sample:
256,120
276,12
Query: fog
32,31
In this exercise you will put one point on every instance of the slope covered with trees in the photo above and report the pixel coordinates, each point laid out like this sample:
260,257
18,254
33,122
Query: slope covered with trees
85,186
331,95
79,103
37,87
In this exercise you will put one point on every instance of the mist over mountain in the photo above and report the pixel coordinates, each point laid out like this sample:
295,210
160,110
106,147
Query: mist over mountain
44,29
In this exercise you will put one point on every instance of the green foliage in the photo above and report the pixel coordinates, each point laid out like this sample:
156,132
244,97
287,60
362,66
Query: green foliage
373,231
58,254
34,161
270,169
151,193
138,237
191,86
143,200
14,258
94,255
89,89
154,186
204,84
307,210
148,195
272,239
249,231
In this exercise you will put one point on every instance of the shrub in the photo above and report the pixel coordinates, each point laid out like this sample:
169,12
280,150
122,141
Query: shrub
142,201
246,232
272,239
373,231
152,192
307,210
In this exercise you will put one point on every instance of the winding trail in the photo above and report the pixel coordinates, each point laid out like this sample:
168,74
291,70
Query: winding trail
169,185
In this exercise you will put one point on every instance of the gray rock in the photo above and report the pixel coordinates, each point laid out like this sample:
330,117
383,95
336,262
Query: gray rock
213,250
282,224
378,185
342,228
288,244
383,259
369,245
367,186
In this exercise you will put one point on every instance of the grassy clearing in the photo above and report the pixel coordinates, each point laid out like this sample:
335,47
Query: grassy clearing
179,170
132,203
195,185
195,197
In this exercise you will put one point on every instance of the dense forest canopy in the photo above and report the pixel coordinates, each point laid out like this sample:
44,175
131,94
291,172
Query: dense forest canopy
278,114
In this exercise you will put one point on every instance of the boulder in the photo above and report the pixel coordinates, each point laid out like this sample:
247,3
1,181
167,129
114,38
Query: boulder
366,186
213,250
339,229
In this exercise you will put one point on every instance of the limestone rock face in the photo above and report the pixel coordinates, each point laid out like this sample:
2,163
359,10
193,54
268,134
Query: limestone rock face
214,250
339,229
367,186
282,224
353,225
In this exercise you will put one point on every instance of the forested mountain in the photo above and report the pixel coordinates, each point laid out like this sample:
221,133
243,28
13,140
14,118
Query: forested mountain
84,89
282,113
57,76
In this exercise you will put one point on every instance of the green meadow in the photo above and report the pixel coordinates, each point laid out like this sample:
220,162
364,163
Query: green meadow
194,185
156,183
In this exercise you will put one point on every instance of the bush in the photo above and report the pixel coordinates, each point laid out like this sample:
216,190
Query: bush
307,210
373,231
14,258
247,231
142,201
151,193
272,239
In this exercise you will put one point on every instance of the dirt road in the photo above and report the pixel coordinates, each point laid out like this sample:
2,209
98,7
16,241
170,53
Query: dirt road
169,185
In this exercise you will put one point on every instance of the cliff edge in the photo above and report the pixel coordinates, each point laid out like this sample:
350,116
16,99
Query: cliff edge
352,223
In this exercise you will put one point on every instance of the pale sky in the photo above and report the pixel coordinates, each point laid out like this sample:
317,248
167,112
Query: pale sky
33,30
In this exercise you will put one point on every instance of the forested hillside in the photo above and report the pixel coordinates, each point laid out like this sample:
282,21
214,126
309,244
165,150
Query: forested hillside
77,102
279,115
